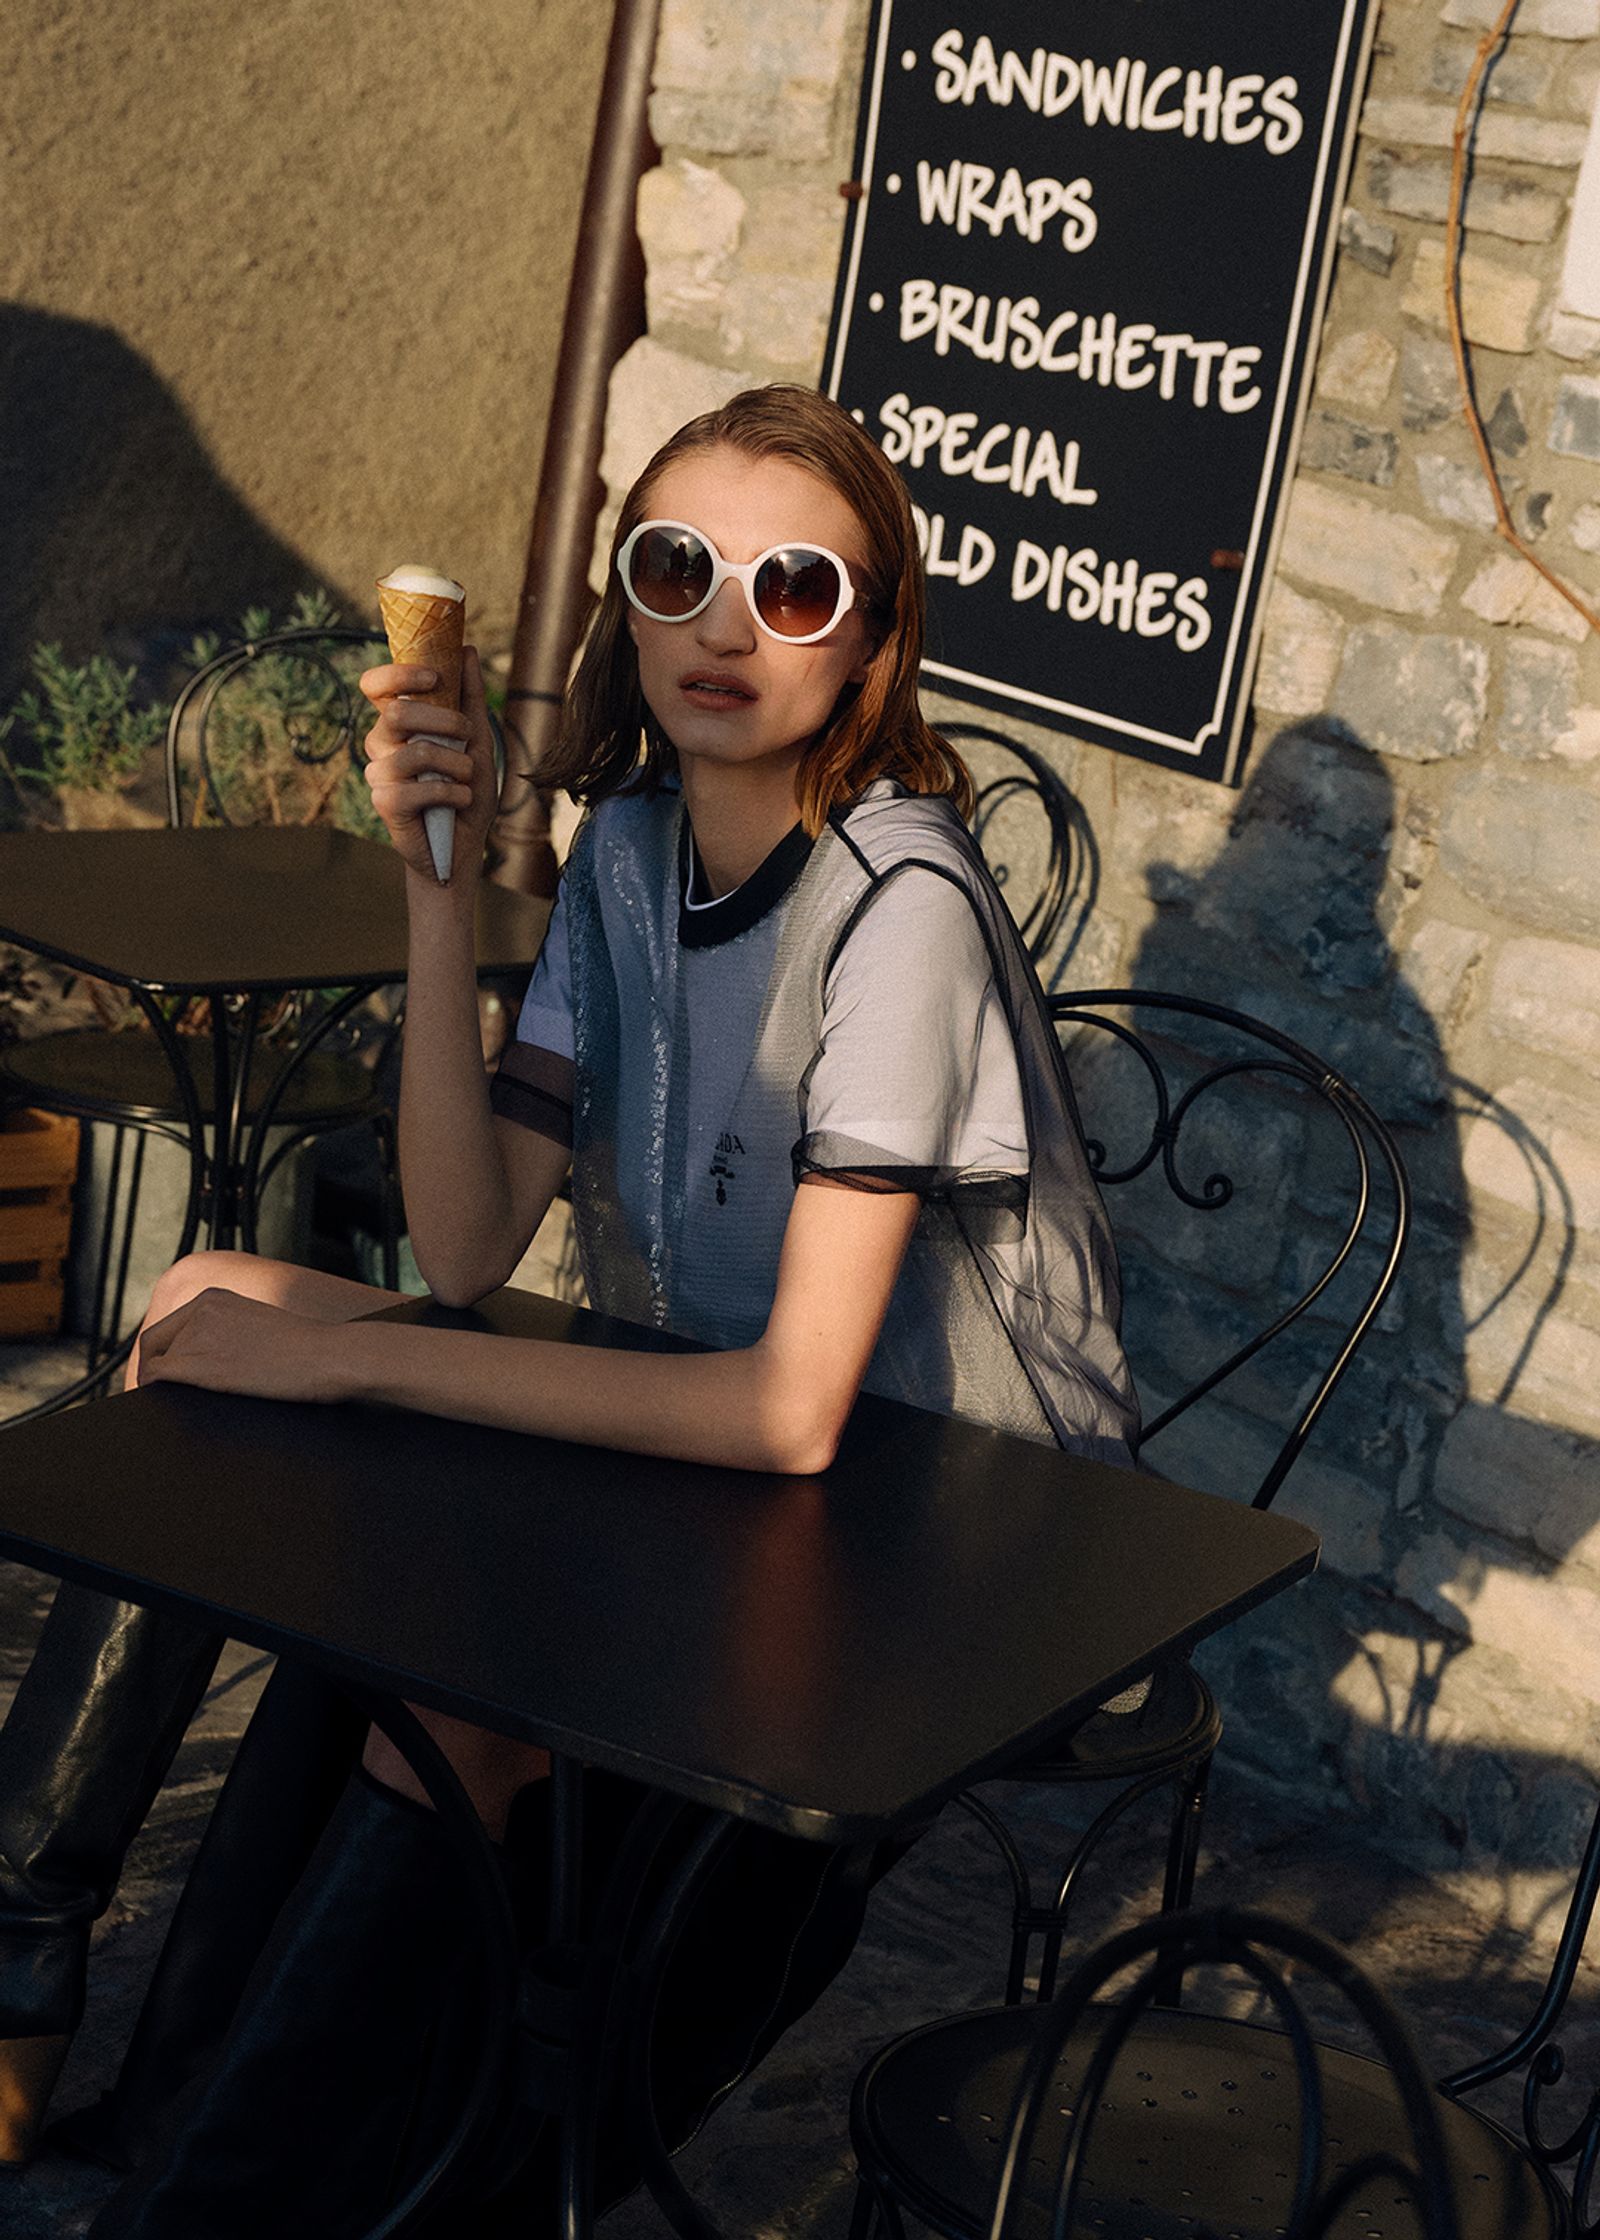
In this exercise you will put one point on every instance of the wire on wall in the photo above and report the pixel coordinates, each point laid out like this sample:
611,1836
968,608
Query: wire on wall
1466,121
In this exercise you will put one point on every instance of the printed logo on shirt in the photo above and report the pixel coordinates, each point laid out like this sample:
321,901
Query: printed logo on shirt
728,1149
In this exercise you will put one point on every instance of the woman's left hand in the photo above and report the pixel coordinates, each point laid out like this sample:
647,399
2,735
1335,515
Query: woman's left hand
230,1344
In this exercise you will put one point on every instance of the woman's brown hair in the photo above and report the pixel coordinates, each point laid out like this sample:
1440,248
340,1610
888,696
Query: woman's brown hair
609,742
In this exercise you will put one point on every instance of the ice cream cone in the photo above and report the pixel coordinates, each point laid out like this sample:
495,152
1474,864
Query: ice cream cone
426,630
424,616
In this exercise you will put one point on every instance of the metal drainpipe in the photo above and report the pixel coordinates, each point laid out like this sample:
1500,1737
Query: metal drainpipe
605,313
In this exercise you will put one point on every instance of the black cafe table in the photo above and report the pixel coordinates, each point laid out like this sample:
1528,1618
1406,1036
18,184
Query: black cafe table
832,1656
244,916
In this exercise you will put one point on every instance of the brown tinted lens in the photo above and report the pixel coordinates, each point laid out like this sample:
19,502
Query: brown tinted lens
797,591
669,571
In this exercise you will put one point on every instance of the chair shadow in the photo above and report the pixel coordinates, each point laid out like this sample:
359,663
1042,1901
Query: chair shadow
118,531
1402,1683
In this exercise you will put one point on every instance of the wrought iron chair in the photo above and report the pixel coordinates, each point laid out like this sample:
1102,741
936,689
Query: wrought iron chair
1536,2051
1135,2118
1183,1060
287,753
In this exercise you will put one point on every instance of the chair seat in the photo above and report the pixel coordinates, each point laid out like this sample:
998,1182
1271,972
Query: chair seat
1177,1722
101,1072
1198,2135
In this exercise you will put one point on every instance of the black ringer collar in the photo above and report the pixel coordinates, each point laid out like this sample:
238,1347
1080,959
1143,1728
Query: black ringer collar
735,913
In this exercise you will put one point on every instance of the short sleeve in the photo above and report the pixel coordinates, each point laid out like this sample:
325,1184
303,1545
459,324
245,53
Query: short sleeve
534,1083
545,1019
915,1083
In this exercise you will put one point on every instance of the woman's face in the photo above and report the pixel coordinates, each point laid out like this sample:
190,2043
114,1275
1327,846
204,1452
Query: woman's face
721,688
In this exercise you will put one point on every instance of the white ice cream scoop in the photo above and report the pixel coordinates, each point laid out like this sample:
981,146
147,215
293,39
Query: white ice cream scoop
428,583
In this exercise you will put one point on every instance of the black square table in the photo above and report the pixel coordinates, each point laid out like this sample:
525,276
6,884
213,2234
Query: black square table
832,1656
242,916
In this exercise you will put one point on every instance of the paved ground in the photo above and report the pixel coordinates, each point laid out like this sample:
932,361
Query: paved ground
774,2161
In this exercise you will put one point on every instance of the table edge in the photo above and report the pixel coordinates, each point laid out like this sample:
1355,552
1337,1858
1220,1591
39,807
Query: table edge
813,1824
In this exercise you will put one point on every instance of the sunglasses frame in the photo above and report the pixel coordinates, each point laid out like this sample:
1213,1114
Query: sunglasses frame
724,571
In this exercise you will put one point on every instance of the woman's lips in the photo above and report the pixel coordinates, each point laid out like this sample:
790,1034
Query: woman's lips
715,689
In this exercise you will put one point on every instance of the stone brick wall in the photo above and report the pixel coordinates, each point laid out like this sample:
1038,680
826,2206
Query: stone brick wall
1409,881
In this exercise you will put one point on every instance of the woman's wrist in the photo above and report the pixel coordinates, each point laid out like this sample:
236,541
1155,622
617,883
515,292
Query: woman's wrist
443,920
424,890
348,1361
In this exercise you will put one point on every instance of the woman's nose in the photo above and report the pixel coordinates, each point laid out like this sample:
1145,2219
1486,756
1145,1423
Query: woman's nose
727,625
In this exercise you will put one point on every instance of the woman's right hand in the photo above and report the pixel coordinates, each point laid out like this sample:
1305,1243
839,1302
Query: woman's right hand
412,739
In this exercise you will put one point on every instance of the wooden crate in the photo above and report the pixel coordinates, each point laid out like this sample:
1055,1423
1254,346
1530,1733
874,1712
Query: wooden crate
38,1162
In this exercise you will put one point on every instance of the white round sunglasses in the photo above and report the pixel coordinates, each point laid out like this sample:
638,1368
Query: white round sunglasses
796,592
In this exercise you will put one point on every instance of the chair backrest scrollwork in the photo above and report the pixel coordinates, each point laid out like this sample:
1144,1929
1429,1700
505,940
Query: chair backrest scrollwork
1180,1052
269,730
1034,835
1536,2051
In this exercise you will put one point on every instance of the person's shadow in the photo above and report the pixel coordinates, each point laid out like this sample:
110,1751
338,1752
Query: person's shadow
117,529
1409,1678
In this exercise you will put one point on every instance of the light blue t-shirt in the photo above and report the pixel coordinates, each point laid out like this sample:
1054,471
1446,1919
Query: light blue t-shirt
858,1010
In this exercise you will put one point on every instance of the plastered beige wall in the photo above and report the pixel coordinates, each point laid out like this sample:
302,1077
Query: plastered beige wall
281,291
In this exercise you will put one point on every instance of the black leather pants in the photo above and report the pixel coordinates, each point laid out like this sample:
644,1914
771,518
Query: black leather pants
339,2073
287,1776
95,1725
343,2065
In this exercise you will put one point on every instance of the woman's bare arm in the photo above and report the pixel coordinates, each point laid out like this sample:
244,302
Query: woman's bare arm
475,1188
780,1404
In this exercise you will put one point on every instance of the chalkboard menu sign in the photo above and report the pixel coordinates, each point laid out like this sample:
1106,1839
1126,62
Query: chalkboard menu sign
1078,306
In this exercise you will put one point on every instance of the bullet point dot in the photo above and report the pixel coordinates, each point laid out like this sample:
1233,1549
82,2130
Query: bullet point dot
908,61
875,301
858,415
891,185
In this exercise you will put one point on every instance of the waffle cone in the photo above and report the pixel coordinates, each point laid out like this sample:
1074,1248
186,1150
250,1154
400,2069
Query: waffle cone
428,631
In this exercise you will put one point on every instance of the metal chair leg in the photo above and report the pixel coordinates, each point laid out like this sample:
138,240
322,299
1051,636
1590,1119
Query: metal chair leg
685,2215
102,1264
486,1893
1183,1849
1183,1852
1025,1920
1088,1843
874,2213
130,1216
601,1993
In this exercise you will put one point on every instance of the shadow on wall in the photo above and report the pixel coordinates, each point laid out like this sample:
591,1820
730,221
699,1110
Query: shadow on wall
114,523
1443,1517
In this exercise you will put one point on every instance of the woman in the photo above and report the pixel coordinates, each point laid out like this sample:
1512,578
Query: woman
784,1033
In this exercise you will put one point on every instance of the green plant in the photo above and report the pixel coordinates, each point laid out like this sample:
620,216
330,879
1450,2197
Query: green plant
311,610
81,723
282,735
